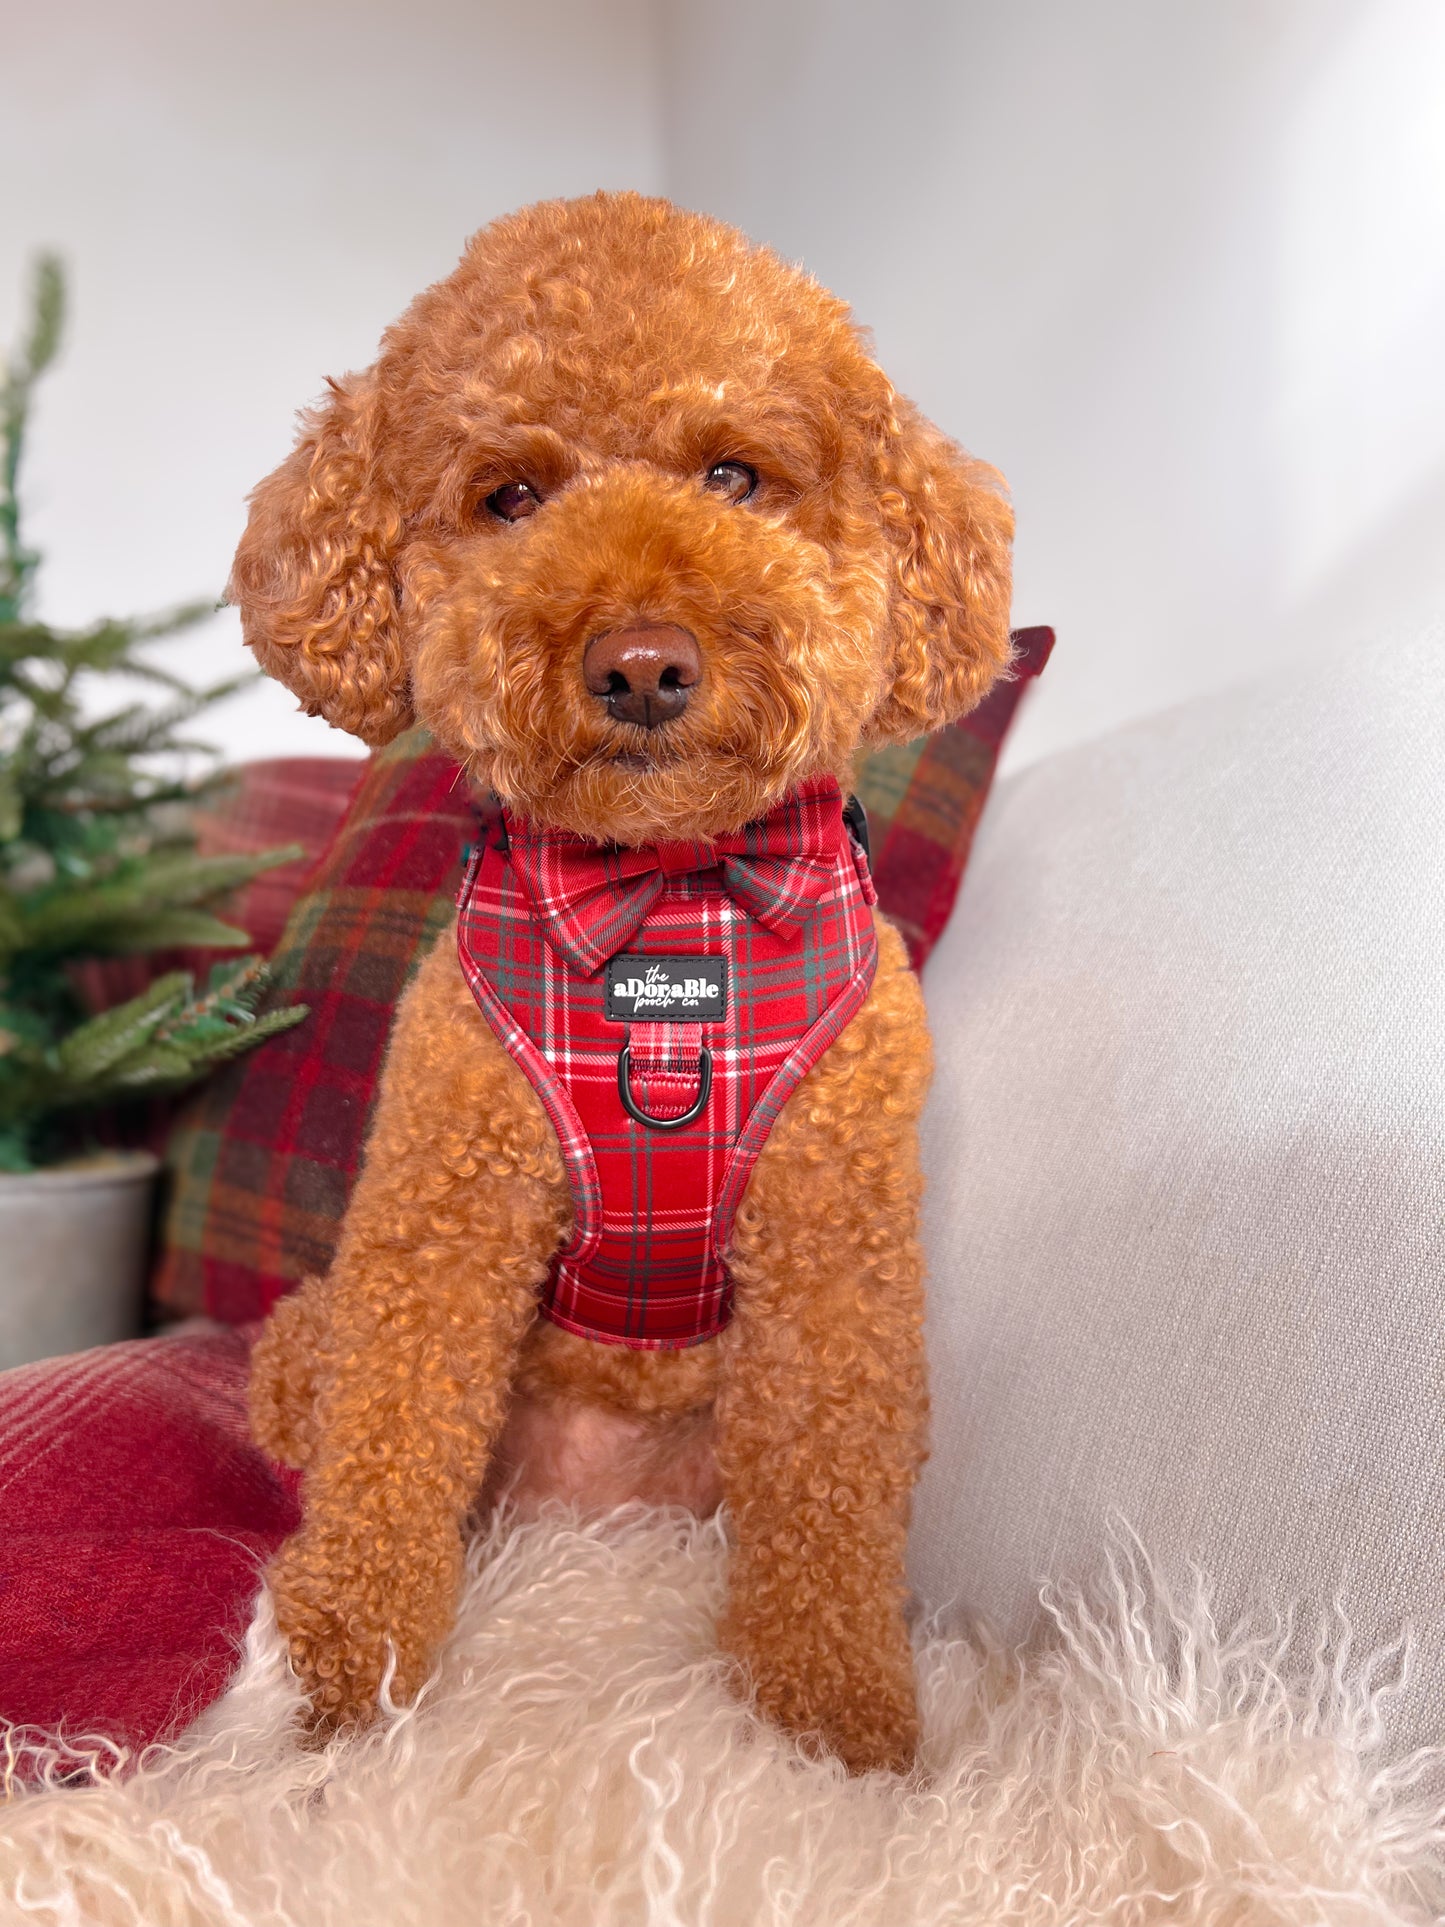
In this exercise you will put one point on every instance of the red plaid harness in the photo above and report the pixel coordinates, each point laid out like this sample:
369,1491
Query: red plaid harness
730,967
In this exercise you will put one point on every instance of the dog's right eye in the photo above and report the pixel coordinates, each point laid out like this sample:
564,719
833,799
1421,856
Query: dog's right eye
734,481
513,502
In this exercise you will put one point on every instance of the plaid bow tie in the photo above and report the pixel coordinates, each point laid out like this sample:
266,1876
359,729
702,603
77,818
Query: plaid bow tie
592,900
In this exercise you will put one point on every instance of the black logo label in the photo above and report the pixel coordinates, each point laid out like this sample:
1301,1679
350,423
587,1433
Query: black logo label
680,990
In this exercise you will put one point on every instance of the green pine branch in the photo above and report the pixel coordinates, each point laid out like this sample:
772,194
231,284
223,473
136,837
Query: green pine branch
40,347
159,1042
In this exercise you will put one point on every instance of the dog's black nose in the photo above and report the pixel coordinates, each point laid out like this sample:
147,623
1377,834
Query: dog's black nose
644,673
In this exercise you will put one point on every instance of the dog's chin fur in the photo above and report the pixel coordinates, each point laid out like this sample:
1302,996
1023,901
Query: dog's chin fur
546,748
615,800
616,784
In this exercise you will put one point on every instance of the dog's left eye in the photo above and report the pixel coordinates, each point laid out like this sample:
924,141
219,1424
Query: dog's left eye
513,501
735,481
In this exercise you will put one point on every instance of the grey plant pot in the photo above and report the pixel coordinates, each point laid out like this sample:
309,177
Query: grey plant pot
73,1249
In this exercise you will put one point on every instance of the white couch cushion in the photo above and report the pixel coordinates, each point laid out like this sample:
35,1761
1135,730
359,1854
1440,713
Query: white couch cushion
1186,1155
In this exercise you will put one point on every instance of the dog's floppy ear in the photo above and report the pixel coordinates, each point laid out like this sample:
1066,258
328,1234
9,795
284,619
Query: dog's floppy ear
313,576
950,529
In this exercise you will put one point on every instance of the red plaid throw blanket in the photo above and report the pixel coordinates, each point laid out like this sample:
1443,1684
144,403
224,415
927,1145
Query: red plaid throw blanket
741,961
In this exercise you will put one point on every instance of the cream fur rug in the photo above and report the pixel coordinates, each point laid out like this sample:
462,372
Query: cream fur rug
579,1760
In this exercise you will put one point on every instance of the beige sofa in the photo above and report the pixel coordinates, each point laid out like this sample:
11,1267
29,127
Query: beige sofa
1187,1165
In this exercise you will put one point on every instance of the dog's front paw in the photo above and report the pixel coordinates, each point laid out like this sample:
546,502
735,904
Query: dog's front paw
855,1694
346,1612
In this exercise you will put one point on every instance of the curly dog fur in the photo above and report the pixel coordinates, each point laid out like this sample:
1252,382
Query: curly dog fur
609,353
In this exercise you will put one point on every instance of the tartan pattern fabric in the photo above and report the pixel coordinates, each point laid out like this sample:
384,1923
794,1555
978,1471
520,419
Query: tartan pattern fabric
593,899
262,1163
654,1208
260,806
263,1158
288,799
924,800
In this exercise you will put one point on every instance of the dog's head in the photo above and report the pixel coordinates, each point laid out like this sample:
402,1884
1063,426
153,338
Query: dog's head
628,516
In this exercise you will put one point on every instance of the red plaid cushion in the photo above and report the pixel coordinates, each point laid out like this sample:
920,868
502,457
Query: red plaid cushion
261,806
289,799
263,1161
925,798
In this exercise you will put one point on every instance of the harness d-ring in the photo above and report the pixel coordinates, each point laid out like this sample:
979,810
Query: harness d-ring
624,1091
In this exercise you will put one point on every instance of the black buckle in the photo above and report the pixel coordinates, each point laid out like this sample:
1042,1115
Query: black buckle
624,1091
856,819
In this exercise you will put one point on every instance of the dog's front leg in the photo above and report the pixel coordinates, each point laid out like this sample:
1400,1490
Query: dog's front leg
823,1401
461,1203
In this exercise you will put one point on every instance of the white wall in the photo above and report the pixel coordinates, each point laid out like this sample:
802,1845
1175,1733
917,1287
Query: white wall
246,194
1179,270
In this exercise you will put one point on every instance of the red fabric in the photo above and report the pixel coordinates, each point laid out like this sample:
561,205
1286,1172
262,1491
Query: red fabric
924,801
258,807
654,1208
262,806
135,1515
593,899
268,1149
